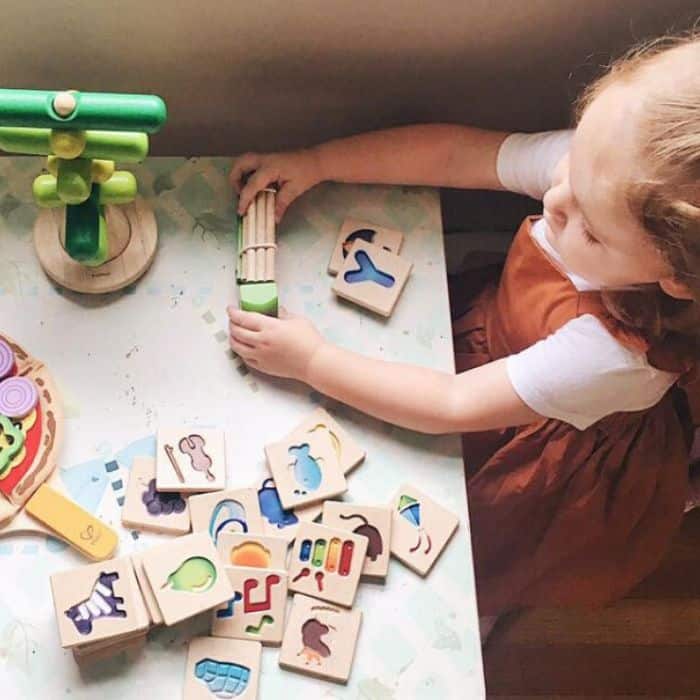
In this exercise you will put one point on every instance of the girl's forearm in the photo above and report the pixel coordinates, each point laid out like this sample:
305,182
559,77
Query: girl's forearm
440,155
418,398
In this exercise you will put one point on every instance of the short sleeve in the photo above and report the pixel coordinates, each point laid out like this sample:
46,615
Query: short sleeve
526,162
581,374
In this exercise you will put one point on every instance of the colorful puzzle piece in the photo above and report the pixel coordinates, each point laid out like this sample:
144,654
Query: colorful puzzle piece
235,510
146,508
373,522
327,563
421,529
320,639
310,463
222,668
186,577
190,460
372,277
252,550
97,602
256,610
354,229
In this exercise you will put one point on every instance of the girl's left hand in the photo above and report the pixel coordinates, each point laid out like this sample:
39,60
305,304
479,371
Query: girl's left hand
280,346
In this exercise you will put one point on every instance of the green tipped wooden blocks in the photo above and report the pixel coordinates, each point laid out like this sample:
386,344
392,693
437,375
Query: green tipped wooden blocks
255,270
260,297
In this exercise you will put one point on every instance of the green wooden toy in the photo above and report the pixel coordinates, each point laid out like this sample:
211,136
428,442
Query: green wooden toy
255,270
82,134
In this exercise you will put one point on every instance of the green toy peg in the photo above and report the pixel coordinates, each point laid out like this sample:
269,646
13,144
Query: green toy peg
103,111
121,188
74,182
86,231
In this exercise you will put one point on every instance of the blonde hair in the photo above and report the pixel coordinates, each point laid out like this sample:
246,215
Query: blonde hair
667,201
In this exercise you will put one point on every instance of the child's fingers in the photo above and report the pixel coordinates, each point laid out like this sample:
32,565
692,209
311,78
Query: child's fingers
241,349
243,335
246,319
242,165
257,182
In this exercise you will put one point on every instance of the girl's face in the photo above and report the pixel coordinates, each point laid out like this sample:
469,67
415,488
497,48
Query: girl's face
589,223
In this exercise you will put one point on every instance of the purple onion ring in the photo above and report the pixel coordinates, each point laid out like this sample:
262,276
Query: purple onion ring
7,359
18,397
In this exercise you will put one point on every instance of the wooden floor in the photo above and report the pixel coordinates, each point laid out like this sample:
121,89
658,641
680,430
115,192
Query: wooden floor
647,645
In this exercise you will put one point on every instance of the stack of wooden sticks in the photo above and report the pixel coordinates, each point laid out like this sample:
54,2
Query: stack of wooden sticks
257,253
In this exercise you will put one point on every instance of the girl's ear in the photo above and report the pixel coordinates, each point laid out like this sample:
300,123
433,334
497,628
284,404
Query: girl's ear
674,288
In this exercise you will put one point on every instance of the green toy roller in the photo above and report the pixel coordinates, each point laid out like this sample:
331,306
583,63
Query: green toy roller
83,134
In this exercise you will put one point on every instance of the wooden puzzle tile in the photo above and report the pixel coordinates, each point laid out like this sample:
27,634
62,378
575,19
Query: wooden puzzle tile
97,602
257,609
354,229
146,508
278,522
349,454
327,563
235,510
133,645
421,529
310,463
320,639
190,460
222,668
372,277
252,550
144,584
115,643
374,522
186,576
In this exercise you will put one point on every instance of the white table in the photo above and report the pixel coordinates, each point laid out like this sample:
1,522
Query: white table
157,352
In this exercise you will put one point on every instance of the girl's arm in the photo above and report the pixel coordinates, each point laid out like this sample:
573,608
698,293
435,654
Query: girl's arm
444,155
419,398
412,397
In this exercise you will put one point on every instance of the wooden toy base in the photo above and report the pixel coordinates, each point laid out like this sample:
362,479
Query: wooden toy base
133,235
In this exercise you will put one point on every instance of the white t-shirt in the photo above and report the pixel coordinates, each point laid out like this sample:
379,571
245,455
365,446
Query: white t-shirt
580,373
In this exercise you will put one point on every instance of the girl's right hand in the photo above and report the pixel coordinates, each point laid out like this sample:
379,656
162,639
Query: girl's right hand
293,172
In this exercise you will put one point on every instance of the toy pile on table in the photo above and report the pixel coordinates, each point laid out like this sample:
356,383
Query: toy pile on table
236,565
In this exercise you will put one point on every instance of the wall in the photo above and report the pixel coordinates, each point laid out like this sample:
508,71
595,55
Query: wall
263,74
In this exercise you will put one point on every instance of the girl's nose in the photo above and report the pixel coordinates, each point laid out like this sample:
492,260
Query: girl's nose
554,206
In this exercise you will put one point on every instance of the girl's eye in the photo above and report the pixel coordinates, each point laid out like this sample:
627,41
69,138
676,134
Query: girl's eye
589,238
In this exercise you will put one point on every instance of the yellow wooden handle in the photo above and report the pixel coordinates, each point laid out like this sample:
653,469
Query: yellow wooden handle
72,523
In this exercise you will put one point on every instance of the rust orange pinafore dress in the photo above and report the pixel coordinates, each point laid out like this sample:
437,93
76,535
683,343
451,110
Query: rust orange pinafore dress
561,516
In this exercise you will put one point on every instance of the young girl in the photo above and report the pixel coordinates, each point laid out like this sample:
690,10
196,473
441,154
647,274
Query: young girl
576,446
